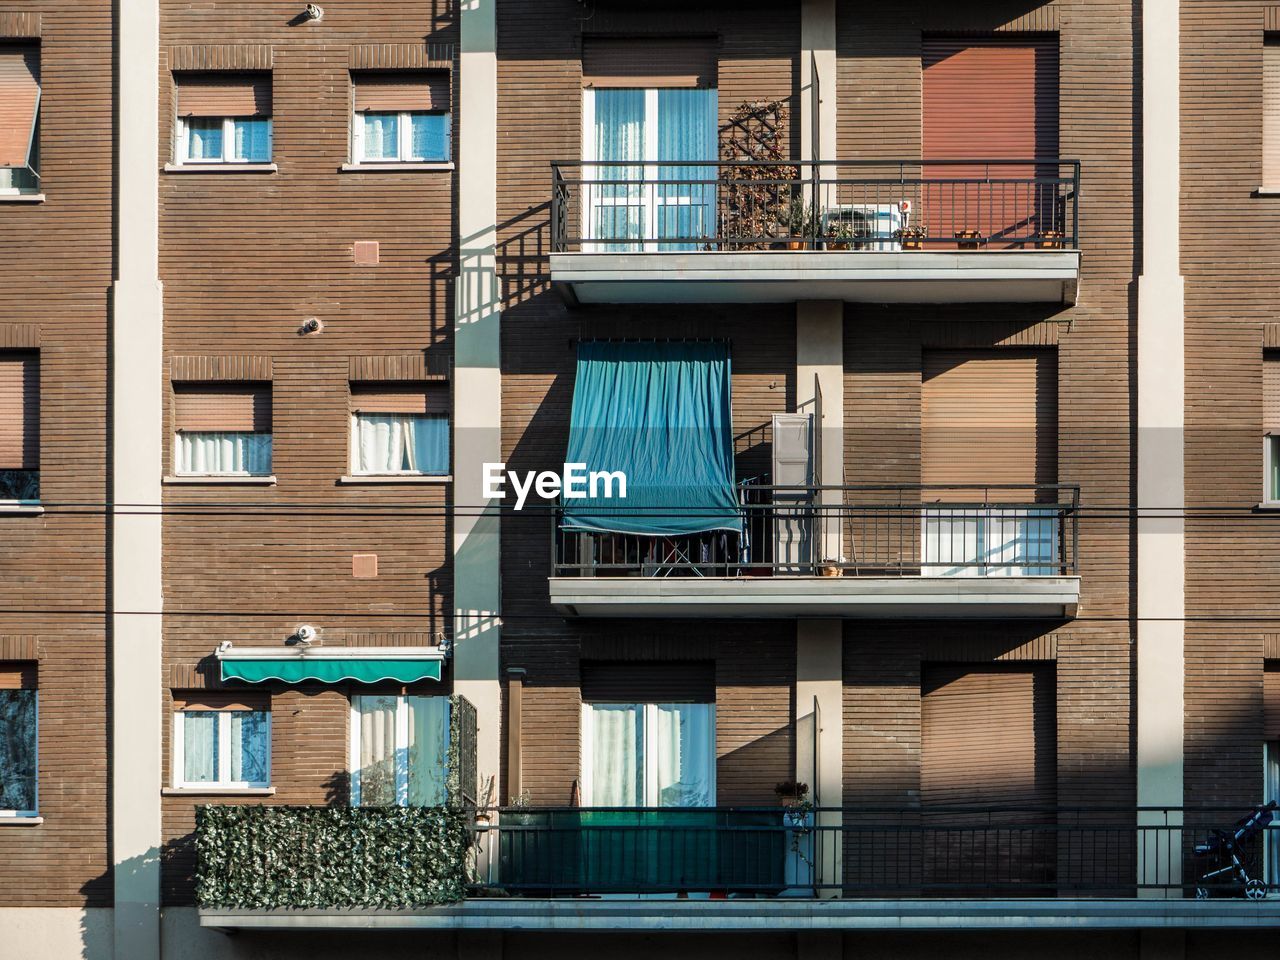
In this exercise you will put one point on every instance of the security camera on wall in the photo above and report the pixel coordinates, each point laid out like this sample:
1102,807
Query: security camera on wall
304,635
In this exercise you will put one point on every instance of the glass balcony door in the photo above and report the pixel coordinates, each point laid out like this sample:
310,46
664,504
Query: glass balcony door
639,191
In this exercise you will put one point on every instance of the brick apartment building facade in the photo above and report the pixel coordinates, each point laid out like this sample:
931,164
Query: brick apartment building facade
927,315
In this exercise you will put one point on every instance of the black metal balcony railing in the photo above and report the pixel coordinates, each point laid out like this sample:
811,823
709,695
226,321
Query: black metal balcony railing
897,530
888,852
853,205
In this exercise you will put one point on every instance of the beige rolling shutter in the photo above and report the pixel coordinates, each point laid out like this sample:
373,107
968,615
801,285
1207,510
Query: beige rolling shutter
1271,112
19,411
1271,392
648,681
403,91
19,101
1271,700
988,735
989,416
656,62
18,675
240,408
395,398
224,94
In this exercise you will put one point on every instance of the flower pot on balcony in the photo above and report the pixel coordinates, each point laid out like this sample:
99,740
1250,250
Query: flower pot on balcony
970,239
911,238
831,569
1050,240
797,244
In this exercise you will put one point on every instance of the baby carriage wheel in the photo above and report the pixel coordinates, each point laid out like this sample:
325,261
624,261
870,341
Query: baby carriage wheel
1255,890
1202,893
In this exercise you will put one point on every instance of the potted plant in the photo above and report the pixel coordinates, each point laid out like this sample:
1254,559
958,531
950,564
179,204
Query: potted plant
792,793
839,234
911,238
1050,240
970,239
830,567
802,224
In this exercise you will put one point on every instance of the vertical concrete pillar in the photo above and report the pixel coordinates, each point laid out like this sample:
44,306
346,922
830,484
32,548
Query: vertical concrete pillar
1161,604
818,80
477,390
820,737
135,458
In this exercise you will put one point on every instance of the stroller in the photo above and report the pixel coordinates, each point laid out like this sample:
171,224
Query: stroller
1229,860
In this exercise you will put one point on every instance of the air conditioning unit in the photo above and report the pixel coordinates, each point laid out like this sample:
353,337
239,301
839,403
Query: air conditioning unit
870,226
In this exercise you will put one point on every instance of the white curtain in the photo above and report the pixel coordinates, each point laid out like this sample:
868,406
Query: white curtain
399,443
428,750
252,140
204,139
210,452
617,771
685,750
617,210
199,746
377,775
250,746
1010,542
381,136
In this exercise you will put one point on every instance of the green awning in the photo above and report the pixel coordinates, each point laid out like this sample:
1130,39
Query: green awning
334,670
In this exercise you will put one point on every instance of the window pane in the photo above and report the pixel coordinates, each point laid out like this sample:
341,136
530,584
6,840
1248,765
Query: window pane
200,746
431,444
376,777
399,443
204,138
687,130
430,136
428,750
18,750
617,209
617,761
218,452
250,746
685,751
253,140
381,136
1273,479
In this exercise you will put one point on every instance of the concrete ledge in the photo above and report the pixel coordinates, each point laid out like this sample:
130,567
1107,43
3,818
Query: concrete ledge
418,478
221,168
584,915
229,479
407,166
905,597
858,276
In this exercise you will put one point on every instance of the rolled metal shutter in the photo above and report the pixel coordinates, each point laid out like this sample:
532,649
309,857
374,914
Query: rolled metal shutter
224,94
989,417
649,62
18,675
406,91
1271,112
989,98
19,101
19,411
239,408
395,398
650,681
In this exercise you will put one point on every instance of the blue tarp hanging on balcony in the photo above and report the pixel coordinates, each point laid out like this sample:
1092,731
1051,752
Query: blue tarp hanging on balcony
658,413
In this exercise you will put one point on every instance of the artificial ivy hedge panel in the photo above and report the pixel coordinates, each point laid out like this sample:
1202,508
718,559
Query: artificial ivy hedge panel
266,857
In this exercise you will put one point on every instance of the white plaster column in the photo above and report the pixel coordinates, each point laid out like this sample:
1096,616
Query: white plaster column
1161,545
136,444
477,389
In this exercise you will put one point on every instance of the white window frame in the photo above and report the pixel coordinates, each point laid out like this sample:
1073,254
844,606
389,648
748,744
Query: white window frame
228,142
404,137
402,724
649,734
31,146
353,432
1271,791
223,734
1270,451
35,810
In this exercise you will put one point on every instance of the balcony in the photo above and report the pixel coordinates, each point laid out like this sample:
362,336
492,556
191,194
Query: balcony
902,551
790,868
863,231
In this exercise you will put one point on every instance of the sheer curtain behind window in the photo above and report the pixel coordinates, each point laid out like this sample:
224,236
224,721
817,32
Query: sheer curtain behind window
381,136
687,130
685,750
427,750
617,210
252,140
223,452
378,760
617,772
200,746
399,443
250,743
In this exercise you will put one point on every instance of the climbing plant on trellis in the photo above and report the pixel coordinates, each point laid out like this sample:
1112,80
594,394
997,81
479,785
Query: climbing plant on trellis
757,201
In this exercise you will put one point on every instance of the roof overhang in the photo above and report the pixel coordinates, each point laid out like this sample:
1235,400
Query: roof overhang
838,597
786,276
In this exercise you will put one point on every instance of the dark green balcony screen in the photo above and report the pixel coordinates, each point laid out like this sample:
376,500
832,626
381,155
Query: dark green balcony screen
659,413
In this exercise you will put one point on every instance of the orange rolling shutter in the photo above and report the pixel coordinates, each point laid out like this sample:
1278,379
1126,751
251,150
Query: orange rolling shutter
239,408
649,62
19,101
989,417
19,411
404,91
18,675
1271,112
224,94
394,398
